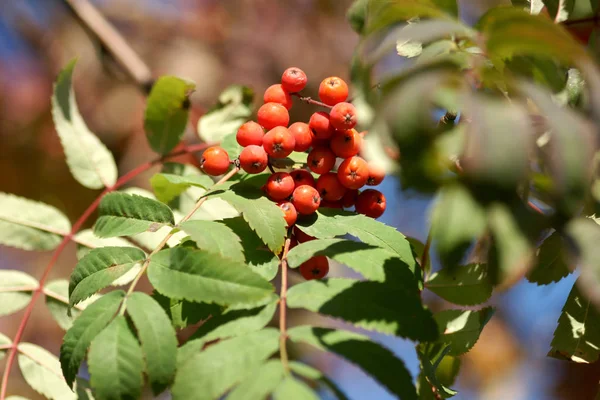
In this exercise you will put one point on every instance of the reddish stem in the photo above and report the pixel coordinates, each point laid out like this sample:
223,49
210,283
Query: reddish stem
309,100
76,226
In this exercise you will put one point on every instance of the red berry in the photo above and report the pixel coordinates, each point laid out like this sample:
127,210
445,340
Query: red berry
346,143
279,186
331,204
371,203
277,94
349,198
306,199
329,187
250,133
289,213
353,172
279,142
333,90
302,177
320,160
302,134
343,116
320,125
215,161
315,268
293,80
376,174
271,115
253,159
301,236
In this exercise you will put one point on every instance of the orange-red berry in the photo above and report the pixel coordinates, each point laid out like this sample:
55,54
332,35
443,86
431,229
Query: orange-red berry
270,115
306,199
320,160
289,213
293,80
301,236
279,142
333,90
376,174
250,133
302,177
315,268
302,134
343,116
320,125
254,159
329,187
353,172
215,161
279,186
346,143
277,94
349,198
371,203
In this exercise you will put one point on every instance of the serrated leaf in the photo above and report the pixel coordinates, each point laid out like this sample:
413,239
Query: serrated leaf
90,162
167,112
122,214
464,285
169,186
15,290
374,359
30,225
312,373
183,313
208,374
428,380
115,363
85,328
41,371
583,235
261,383
552,263
99,268
577,335
57,301
461,328
201,276
382,14
231,111
418,249
371,307
158,339
86,237
215,237
293,389
4,340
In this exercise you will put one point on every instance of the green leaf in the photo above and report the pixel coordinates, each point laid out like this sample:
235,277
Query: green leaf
577,335
215,237
368,306
184,313
465,285
418,249
124,214
428,377
260,383
461,328
89,160
99,268
356,15
4,340
83,389
583,234
29,225
167,112
233,108
158,339
87,237
312,373
374,359
57,301
552,262
15,290
85,328
210,373
293,389
41,371
383,14
169,186
115,363
201,276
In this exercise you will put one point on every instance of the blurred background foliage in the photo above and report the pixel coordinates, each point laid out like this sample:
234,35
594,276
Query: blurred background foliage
508,159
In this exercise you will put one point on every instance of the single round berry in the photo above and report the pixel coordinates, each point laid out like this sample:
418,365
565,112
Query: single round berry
293,80
302,177
333,90
301,236
277,94
279,142
346,143
306,199
289,213
250,133
302,134
329,187
350,198
253,159
353,172
320,125
271,115
376,174
331,204
371,203
343,116
215,161
320,160
315,268
279,186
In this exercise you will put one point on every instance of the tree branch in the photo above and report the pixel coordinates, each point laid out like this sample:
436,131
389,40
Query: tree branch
283,305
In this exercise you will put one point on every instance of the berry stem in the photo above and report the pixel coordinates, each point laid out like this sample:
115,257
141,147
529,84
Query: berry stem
309,100
283,304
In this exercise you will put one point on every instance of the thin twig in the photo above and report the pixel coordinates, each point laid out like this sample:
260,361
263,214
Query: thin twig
283,305
309,100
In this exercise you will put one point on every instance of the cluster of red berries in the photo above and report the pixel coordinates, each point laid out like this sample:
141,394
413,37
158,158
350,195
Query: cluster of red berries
330,139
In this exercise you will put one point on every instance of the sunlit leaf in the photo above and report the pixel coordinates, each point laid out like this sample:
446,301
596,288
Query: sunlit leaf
231,111
15,290
41,370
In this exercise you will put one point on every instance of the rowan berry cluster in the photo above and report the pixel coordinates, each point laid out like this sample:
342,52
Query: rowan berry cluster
335,172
